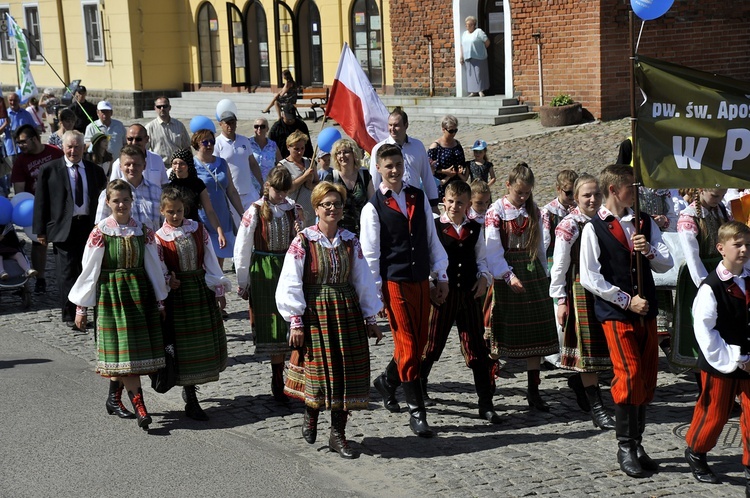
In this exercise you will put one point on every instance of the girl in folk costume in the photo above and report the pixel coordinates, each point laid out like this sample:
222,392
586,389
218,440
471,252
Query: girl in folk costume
523,321
192,309
263,237
698,227
584,347
125,279
328,293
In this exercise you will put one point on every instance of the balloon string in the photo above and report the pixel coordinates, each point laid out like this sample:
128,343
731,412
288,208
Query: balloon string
640,32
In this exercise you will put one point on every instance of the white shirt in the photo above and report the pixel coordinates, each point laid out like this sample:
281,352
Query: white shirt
566,234
417,171
722,356
688,231
237,154
480,249
167,137
370,238
155,171
591,277
115,131
84,208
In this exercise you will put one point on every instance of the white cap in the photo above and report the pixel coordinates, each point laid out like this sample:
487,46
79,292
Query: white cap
104,106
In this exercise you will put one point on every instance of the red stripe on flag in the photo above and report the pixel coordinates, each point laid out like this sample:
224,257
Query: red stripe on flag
348,112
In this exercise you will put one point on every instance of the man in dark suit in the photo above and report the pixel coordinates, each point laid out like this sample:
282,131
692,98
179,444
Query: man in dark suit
66,196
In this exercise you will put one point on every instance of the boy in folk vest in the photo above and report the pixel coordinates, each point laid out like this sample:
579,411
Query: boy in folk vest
609,249
401,247
469,276
722,329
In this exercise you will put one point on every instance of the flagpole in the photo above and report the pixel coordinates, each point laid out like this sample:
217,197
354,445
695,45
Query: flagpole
634,142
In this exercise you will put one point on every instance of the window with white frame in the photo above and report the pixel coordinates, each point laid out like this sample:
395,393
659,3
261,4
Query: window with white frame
7,48
33,32
93,30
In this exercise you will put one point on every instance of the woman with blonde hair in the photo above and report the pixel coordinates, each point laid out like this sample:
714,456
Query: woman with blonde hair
303,174
348,172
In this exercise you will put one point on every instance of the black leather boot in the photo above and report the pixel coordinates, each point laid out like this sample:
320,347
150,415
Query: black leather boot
386,384
533,397
142,416
599,415
747,482
277,383
482,383
310,424
424,372
576,385
337,442
192,407
417,412
114,401
626,428
646,462
699,466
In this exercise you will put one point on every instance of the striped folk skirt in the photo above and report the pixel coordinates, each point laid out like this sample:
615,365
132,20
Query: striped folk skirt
584,343
269,328
684,346
337,362
523,325
200,340
129,337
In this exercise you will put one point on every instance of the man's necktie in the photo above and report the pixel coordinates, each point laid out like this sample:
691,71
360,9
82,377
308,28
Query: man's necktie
79,187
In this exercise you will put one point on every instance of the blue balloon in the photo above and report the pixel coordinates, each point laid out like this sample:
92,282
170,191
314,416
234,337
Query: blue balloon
202,123
327,137
650,9
23,213
6,211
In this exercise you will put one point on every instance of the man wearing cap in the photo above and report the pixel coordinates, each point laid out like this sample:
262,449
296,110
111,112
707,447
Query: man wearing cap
113,128
84,110
235,150
17,117
155,171
167,134
417,170
33,154
288,123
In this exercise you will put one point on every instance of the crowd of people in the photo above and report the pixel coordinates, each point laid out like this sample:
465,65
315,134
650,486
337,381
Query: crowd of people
324,245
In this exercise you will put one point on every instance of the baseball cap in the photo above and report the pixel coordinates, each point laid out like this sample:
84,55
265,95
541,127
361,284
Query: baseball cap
81,89
322,153
289,109
479,145
227,116
104,106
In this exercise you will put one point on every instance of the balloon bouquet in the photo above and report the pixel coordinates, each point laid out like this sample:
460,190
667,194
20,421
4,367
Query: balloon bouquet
18,211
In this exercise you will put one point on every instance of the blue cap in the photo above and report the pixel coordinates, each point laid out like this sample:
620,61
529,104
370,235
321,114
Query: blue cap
479,145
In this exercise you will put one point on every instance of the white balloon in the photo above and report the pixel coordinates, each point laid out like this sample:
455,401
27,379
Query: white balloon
21,197
29,233
225,105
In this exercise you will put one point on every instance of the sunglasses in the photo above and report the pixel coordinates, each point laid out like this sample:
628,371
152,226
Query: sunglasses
134,139
163,106
331,205
452,130
206,143
260,127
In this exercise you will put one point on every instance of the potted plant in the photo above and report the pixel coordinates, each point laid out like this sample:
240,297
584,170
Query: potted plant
562,111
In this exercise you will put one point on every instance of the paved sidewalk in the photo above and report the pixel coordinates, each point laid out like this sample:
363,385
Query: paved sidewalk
531,454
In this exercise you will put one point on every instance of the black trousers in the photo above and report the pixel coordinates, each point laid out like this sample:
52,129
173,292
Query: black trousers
68,262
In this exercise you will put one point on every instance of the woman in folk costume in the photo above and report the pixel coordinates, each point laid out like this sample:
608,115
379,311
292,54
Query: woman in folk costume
328,293
523,321
125,279
193,313
263,237
698,227
584,346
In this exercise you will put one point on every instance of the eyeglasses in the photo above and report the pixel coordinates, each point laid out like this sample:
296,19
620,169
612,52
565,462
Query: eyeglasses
260,127
206,143
452,131
345,151
134,139
163,106
331,205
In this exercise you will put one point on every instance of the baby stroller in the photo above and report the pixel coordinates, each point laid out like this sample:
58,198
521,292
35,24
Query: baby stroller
17,282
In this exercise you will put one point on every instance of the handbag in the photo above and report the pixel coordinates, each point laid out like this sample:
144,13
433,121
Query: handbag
165,378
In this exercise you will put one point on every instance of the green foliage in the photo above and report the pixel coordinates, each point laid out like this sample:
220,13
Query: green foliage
561,100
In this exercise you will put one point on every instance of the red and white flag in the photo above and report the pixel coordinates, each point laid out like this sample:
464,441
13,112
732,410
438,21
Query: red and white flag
354,104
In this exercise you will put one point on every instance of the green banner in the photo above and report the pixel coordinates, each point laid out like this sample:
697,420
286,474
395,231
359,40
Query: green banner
693,130
28,87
